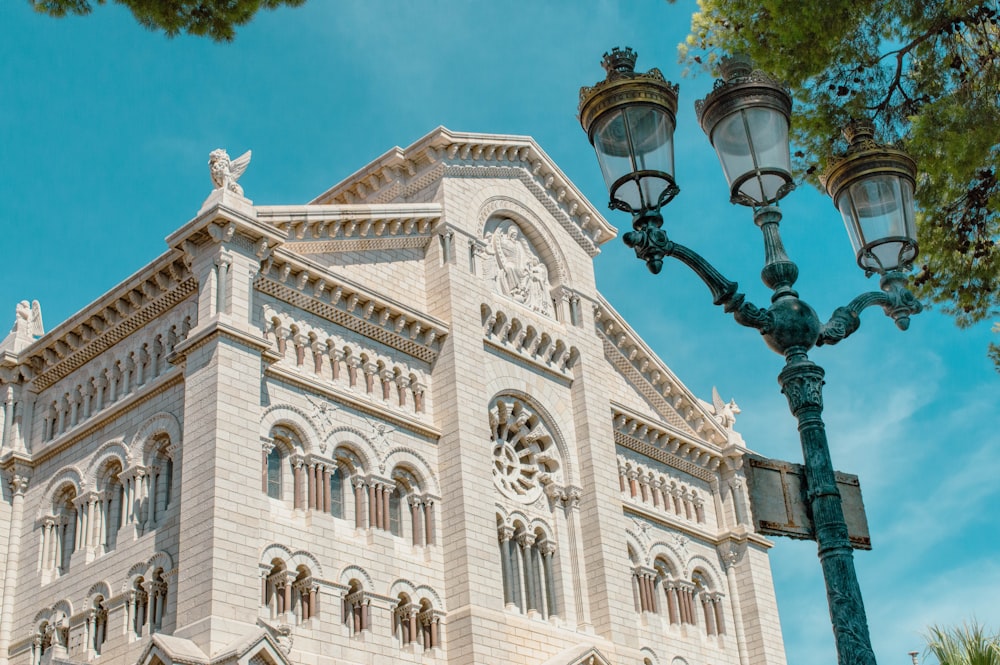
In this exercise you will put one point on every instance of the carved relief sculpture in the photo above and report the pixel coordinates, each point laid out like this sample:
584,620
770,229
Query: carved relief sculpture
516,269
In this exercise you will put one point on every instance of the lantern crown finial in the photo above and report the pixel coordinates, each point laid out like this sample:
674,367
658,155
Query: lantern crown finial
737,66
860,133
620,60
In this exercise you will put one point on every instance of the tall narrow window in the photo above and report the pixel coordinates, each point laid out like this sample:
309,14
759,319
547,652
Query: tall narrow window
395,518
274,473
337,493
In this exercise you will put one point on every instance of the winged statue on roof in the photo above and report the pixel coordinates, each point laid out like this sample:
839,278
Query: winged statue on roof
225,171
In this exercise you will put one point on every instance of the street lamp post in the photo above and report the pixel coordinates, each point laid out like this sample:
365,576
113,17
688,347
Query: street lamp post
630,117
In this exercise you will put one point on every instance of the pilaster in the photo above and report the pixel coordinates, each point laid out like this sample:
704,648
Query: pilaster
217,598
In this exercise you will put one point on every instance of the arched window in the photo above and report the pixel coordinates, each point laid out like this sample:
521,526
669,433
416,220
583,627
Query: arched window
60,535
429,624
161,472
157,600
304,592
278,589
98,624
337,493
528,567
112,501
710,602
274,460
410,512
405,625
357,613
286,468
138,607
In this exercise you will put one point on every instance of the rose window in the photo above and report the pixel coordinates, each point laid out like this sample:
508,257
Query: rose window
525,458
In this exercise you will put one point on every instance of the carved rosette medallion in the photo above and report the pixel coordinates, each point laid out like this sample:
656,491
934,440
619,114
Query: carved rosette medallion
525,456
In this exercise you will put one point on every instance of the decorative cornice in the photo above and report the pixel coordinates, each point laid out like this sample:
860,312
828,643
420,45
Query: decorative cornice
641,367
665,444
320,229
301,283
122,311
402,172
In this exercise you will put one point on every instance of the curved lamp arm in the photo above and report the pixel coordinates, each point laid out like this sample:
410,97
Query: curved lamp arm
651,245
894,298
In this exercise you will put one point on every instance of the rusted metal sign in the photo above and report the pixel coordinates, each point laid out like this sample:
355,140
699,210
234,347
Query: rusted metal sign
778,500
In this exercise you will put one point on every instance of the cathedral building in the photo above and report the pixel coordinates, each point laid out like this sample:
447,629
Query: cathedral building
396,424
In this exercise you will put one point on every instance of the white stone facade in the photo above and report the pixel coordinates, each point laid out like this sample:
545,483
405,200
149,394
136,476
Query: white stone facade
397,424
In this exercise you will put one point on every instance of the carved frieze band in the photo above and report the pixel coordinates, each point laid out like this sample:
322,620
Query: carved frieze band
108,327
360,245
661,455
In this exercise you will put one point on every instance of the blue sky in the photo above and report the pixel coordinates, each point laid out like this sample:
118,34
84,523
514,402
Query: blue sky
105,130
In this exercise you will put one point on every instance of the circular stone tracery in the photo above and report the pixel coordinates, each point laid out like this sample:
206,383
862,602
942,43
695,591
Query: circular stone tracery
525,457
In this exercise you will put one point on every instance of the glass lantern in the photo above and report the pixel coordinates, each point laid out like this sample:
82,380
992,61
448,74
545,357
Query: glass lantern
630,119
746,117
872,186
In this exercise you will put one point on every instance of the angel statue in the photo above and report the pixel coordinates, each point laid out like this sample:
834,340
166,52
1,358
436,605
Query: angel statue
27,326
226,172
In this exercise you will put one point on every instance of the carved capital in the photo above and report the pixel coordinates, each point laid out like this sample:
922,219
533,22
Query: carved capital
18,483
731,553
802,384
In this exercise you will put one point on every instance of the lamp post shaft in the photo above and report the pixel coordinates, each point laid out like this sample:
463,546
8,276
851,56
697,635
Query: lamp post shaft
801,381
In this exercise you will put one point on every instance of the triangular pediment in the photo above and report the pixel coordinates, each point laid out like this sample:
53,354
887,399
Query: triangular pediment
412,174
583,654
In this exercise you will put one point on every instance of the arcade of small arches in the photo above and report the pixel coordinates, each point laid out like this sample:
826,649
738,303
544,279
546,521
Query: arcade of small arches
656,489
341,486
127,492
293,592
660,591
133,367
527,565
338,362
139,610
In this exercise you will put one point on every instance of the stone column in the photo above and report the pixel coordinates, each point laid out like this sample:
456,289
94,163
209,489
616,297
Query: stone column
526,541
373,520
548,550
8,417
504,536
326,489
416,519
428,520
730,559
571,506
359,502
298,489
267,445
311,478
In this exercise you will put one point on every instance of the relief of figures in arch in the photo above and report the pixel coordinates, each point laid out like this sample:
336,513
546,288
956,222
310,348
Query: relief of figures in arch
515,268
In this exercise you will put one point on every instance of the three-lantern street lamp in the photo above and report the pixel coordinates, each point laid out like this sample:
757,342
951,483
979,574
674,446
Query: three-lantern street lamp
630,119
